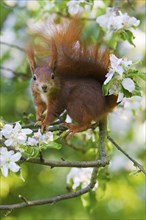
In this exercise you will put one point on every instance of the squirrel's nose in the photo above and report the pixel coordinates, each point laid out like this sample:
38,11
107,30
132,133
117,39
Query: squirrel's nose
44,87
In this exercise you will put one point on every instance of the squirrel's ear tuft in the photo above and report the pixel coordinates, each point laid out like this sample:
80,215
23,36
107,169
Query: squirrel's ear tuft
30,56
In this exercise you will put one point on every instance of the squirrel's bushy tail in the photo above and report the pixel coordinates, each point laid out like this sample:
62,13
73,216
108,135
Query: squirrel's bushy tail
73,58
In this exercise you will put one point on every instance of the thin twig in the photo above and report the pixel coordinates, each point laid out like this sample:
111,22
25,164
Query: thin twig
127,155
23,198
81,149
16,74
12,45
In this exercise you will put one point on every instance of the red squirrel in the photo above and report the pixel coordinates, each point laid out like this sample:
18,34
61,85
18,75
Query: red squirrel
70,80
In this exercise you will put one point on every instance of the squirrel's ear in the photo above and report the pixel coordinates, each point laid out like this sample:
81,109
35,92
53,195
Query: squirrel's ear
30,56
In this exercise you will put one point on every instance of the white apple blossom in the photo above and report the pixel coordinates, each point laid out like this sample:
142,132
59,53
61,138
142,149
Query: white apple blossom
38,135
128,84
116,64
80,177
119,72
117,67
39,138
108,20
128,22
47,137
132,103
8,161
32,141
114,20
74,6
15,135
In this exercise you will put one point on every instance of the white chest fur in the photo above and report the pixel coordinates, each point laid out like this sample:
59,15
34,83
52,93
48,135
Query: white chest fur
44,98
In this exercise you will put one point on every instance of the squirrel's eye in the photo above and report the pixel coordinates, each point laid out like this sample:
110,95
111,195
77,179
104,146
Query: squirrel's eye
34,77
52,75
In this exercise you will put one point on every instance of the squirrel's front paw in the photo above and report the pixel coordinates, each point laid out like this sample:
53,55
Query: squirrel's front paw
38,124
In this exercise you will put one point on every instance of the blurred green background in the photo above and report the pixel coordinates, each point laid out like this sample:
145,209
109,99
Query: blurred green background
121,194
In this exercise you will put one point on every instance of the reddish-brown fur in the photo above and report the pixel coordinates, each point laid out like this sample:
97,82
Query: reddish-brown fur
72,80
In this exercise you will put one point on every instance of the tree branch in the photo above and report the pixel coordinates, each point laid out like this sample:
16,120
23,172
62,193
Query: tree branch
80,192
103,138
127,155
83,164
56,198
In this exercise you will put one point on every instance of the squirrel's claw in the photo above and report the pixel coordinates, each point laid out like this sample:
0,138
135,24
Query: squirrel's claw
38,124
70,133
43,128
73,129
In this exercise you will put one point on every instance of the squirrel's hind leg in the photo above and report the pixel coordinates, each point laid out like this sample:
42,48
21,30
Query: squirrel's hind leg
73,128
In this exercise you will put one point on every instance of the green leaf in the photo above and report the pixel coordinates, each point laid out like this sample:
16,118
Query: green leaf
137,90
85,200
89,201
21,175
103,179
134,172
105,88
127,94
52,144
127,35
31,152
141,75
135,73
114,40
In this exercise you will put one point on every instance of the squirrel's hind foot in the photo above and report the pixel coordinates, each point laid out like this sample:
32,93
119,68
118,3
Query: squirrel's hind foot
73,129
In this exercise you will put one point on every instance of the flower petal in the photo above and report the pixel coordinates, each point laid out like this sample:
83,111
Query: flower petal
16,157
120,70
128,84
120,97
17,127
21,139
4,170
9,142
32,141
14,167
7,130
109,77
27,131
